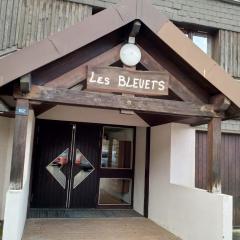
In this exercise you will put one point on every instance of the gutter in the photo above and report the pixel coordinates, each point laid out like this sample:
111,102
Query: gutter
237,2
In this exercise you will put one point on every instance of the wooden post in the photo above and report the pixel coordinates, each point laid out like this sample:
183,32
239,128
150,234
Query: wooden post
19,144
147,167
214,153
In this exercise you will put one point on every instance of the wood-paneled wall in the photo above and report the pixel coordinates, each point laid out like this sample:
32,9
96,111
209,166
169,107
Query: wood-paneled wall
229,52
230,167
23,22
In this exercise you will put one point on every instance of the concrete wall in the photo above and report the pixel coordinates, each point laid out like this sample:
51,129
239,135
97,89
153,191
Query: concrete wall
139,174
185,211
17,201
93,115
6,139
182,169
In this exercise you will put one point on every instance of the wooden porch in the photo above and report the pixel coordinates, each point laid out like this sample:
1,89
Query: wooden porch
101,229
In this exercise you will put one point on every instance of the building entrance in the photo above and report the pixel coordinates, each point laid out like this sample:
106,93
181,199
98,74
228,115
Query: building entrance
78,165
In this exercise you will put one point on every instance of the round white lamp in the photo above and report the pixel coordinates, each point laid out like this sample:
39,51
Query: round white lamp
130,55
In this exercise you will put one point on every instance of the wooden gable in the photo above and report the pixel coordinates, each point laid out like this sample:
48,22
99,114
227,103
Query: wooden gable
60,62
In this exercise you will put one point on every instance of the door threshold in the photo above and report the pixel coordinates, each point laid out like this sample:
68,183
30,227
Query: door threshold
81,213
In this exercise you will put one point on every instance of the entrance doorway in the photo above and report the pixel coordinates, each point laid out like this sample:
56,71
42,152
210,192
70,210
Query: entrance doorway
79,165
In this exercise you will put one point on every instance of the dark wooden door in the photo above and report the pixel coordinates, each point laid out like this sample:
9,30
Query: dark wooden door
64,165
53,138
230,167
88,142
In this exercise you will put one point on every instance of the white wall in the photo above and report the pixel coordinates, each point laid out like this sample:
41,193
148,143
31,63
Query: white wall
187,212
6,138
139,174
17,201
182,155
93,115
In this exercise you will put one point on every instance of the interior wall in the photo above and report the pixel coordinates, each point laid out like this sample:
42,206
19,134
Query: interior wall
185,211
17,200
6,139
139,173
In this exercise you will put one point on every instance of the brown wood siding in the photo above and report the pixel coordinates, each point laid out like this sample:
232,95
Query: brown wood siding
229,52
230,167
23,22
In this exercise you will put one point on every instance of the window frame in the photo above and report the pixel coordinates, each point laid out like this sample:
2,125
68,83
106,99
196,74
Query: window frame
191,33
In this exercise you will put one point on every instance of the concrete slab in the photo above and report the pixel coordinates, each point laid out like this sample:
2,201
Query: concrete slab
99,229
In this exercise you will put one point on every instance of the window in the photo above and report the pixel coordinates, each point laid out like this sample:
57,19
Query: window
201,39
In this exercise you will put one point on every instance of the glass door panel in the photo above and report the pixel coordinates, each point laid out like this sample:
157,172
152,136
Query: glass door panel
115,191
117,148
116,167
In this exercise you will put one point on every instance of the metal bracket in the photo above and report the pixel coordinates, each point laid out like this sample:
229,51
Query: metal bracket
22,111
135,30
25,84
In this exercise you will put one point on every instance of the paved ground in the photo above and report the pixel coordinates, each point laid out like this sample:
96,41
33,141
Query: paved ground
99,229
0,230
81,213
236,235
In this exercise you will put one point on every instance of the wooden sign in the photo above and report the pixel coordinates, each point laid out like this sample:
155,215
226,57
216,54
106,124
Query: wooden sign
120,80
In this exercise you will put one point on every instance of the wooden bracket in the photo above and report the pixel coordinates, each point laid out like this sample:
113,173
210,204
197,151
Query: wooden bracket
127,112
220,103
25,84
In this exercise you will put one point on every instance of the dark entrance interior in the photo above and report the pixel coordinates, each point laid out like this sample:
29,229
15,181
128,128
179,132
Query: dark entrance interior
80,165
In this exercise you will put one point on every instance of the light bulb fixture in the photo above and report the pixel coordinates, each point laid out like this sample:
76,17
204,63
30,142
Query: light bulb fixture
130,55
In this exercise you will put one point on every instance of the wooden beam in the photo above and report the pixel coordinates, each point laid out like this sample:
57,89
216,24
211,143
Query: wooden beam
214,154
77,75
175,85
220,103
147,169
19,144
112,101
